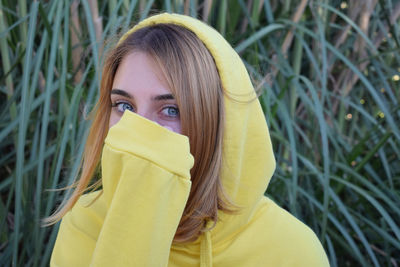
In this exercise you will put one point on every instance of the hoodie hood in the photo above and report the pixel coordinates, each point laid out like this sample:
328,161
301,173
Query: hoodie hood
248,160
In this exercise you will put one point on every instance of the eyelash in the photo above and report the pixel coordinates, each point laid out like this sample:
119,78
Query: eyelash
116,105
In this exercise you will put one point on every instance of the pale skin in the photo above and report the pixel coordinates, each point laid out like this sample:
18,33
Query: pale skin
139,87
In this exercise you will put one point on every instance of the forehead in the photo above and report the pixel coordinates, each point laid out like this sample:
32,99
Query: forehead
138,74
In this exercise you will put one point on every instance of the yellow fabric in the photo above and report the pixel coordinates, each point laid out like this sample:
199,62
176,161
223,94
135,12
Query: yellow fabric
146,183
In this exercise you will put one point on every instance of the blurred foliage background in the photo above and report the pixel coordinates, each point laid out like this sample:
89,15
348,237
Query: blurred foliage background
329,76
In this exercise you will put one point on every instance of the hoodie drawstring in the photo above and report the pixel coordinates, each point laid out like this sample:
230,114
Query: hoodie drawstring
206,250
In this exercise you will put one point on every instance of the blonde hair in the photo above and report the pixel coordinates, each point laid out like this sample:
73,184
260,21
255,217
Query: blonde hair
192,76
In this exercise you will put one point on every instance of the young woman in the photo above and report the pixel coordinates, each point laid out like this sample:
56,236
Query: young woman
185,160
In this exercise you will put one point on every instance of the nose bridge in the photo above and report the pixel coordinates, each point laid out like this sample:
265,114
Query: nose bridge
144,110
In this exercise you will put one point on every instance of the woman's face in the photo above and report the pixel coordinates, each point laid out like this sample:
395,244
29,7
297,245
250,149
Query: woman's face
140,87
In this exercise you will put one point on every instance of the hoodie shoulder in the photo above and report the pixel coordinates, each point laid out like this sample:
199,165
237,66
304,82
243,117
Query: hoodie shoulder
286,239
274,237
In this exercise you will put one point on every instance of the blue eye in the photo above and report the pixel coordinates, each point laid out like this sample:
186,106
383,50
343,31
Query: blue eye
171,112
122,106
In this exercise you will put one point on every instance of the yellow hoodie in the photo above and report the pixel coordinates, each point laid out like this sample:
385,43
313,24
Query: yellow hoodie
146,183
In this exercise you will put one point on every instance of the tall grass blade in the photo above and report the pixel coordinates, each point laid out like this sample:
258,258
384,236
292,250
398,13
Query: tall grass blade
23,121
257,35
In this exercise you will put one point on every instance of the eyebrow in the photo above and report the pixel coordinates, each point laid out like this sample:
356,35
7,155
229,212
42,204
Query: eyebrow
121,92
163,97
155,98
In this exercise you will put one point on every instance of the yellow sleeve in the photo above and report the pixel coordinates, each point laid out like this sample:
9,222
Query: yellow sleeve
146,183
77,235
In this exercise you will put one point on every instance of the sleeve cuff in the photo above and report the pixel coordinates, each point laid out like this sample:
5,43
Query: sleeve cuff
137,135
